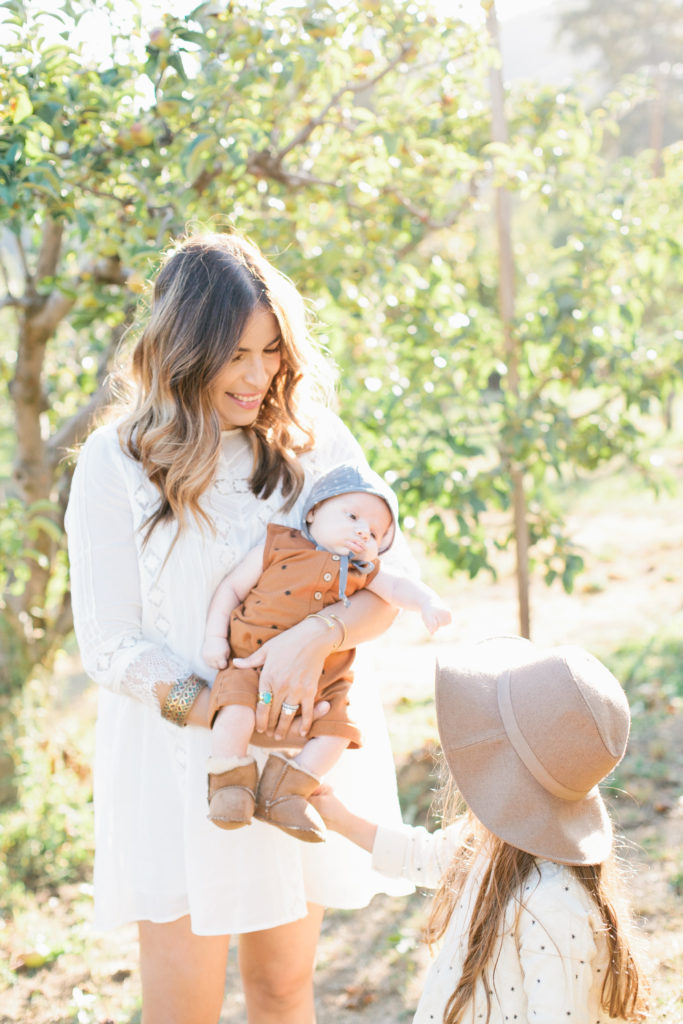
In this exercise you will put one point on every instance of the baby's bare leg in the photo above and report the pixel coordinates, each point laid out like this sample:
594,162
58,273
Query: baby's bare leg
321,754
231,731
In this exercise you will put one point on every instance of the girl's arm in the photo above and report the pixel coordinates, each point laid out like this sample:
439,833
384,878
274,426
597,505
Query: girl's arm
339,818
413,595
409,852
230,592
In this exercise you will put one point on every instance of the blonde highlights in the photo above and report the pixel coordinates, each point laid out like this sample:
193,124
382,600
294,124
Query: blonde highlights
208,287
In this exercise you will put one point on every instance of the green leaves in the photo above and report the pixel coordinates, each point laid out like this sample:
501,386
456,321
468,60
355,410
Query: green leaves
20,527
353,143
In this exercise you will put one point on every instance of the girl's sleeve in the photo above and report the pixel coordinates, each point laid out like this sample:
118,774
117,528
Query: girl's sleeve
415,854
557,953
105,587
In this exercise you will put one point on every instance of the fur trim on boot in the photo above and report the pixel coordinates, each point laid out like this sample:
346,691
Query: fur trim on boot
282,799
232,793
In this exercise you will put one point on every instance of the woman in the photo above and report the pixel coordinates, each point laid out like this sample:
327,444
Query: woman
225,431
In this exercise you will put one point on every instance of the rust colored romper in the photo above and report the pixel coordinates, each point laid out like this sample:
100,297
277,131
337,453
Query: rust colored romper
297,579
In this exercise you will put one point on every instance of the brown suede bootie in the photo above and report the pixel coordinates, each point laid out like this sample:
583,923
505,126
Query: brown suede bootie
232,795
282,799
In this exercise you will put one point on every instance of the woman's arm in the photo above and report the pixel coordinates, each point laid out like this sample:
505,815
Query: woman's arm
292,662
105,584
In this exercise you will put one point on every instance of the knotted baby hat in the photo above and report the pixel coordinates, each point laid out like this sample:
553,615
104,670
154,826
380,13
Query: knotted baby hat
345,479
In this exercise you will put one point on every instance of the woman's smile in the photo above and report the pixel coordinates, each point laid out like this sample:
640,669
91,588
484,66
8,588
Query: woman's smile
242,383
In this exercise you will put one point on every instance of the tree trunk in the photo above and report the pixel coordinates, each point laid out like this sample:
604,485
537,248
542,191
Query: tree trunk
506,299
656,124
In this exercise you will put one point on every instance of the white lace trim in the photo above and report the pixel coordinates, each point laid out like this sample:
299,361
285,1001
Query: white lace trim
147,672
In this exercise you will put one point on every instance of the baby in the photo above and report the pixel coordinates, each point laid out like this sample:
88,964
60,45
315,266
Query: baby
349,519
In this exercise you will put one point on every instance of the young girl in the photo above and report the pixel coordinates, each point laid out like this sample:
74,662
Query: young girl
532,926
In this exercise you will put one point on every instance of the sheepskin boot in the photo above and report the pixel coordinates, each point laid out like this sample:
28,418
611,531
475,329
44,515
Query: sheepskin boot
232,791
282,799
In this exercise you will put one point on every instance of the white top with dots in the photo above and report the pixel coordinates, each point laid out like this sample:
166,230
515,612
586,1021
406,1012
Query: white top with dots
550,965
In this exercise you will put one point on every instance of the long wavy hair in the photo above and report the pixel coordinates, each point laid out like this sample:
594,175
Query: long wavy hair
624,990
208,287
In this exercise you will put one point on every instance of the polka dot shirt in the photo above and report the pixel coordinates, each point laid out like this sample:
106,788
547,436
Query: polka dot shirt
550,964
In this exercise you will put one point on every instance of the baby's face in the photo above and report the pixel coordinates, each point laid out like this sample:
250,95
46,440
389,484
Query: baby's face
351,524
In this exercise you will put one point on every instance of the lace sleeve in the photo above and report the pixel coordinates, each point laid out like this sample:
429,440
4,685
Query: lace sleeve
105,586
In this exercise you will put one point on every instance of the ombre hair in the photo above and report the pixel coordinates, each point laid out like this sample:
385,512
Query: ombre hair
208,287
624,991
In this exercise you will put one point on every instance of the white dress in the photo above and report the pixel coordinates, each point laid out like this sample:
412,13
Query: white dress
551,957
139,616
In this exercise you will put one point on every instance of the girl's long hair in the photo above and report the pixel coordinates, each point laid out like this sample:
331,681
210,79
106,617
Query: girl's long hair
624,992
205,292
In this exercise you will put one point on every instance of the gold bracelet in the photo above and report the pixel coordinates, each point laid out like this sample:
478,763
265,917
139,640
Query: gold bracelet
181,698
342,626
330,625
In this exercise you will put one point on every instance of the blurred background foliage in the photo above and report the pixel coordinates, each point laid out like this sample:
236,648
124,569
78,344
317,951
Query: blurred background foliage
353,143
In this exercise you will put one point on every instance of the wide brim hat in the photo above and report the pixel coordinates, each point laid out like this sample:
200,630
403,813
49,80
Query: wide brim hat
528,733
348,477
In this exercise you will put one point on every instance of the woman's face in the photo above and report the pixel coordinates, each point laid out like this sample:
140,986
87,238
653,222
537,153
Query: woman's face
242,383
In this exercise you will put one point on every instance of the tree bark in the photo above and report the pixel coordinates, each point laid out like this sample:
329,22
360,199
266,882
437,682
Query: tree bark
506,300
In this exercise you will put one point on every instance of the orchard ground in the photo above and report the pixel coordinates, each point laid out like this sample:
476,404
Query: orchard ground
627,608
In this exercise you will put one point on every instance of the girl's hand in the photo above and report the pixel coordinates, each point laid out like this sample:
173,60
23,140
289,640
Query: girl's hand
339,818
291,665
333,812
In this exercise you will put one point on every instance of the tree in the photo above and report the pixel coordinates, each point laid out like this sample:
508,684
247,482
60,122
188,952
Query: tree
642,39
288,123
354,144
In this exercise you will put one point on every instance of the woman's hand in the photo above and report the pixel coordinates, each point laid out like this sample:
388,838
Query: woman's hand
199,712
291,665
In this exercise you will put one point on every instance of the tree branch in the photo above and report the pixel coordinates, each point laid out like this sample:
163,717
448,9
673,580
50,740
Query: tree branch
50,248
75,429
28,279
268,162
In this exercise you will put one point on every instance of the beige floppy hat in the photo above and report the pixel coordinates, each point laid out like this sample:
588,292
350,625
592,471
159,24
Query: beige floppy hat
528,733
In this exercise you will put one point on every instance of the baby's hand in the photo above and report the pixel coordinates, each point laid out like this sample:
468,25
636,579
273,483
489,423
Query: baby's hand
435,614
216,651
330,808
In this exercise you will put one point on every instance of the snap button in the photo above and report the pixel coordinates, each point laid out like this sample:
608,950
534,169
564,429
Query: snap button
317,595
327,577
335,558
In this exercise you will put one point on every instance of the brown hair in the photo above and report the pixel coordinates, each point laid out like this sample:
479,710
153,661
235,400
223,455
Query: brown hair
624,992
206,290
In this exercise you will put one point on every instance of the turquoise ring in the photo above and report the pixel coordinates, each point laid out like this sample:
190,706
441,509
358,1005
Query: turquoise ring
265,697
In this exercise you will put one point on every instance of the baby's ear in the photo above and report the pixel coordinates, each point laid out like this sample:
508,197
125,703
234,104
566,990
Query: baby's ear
309,516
